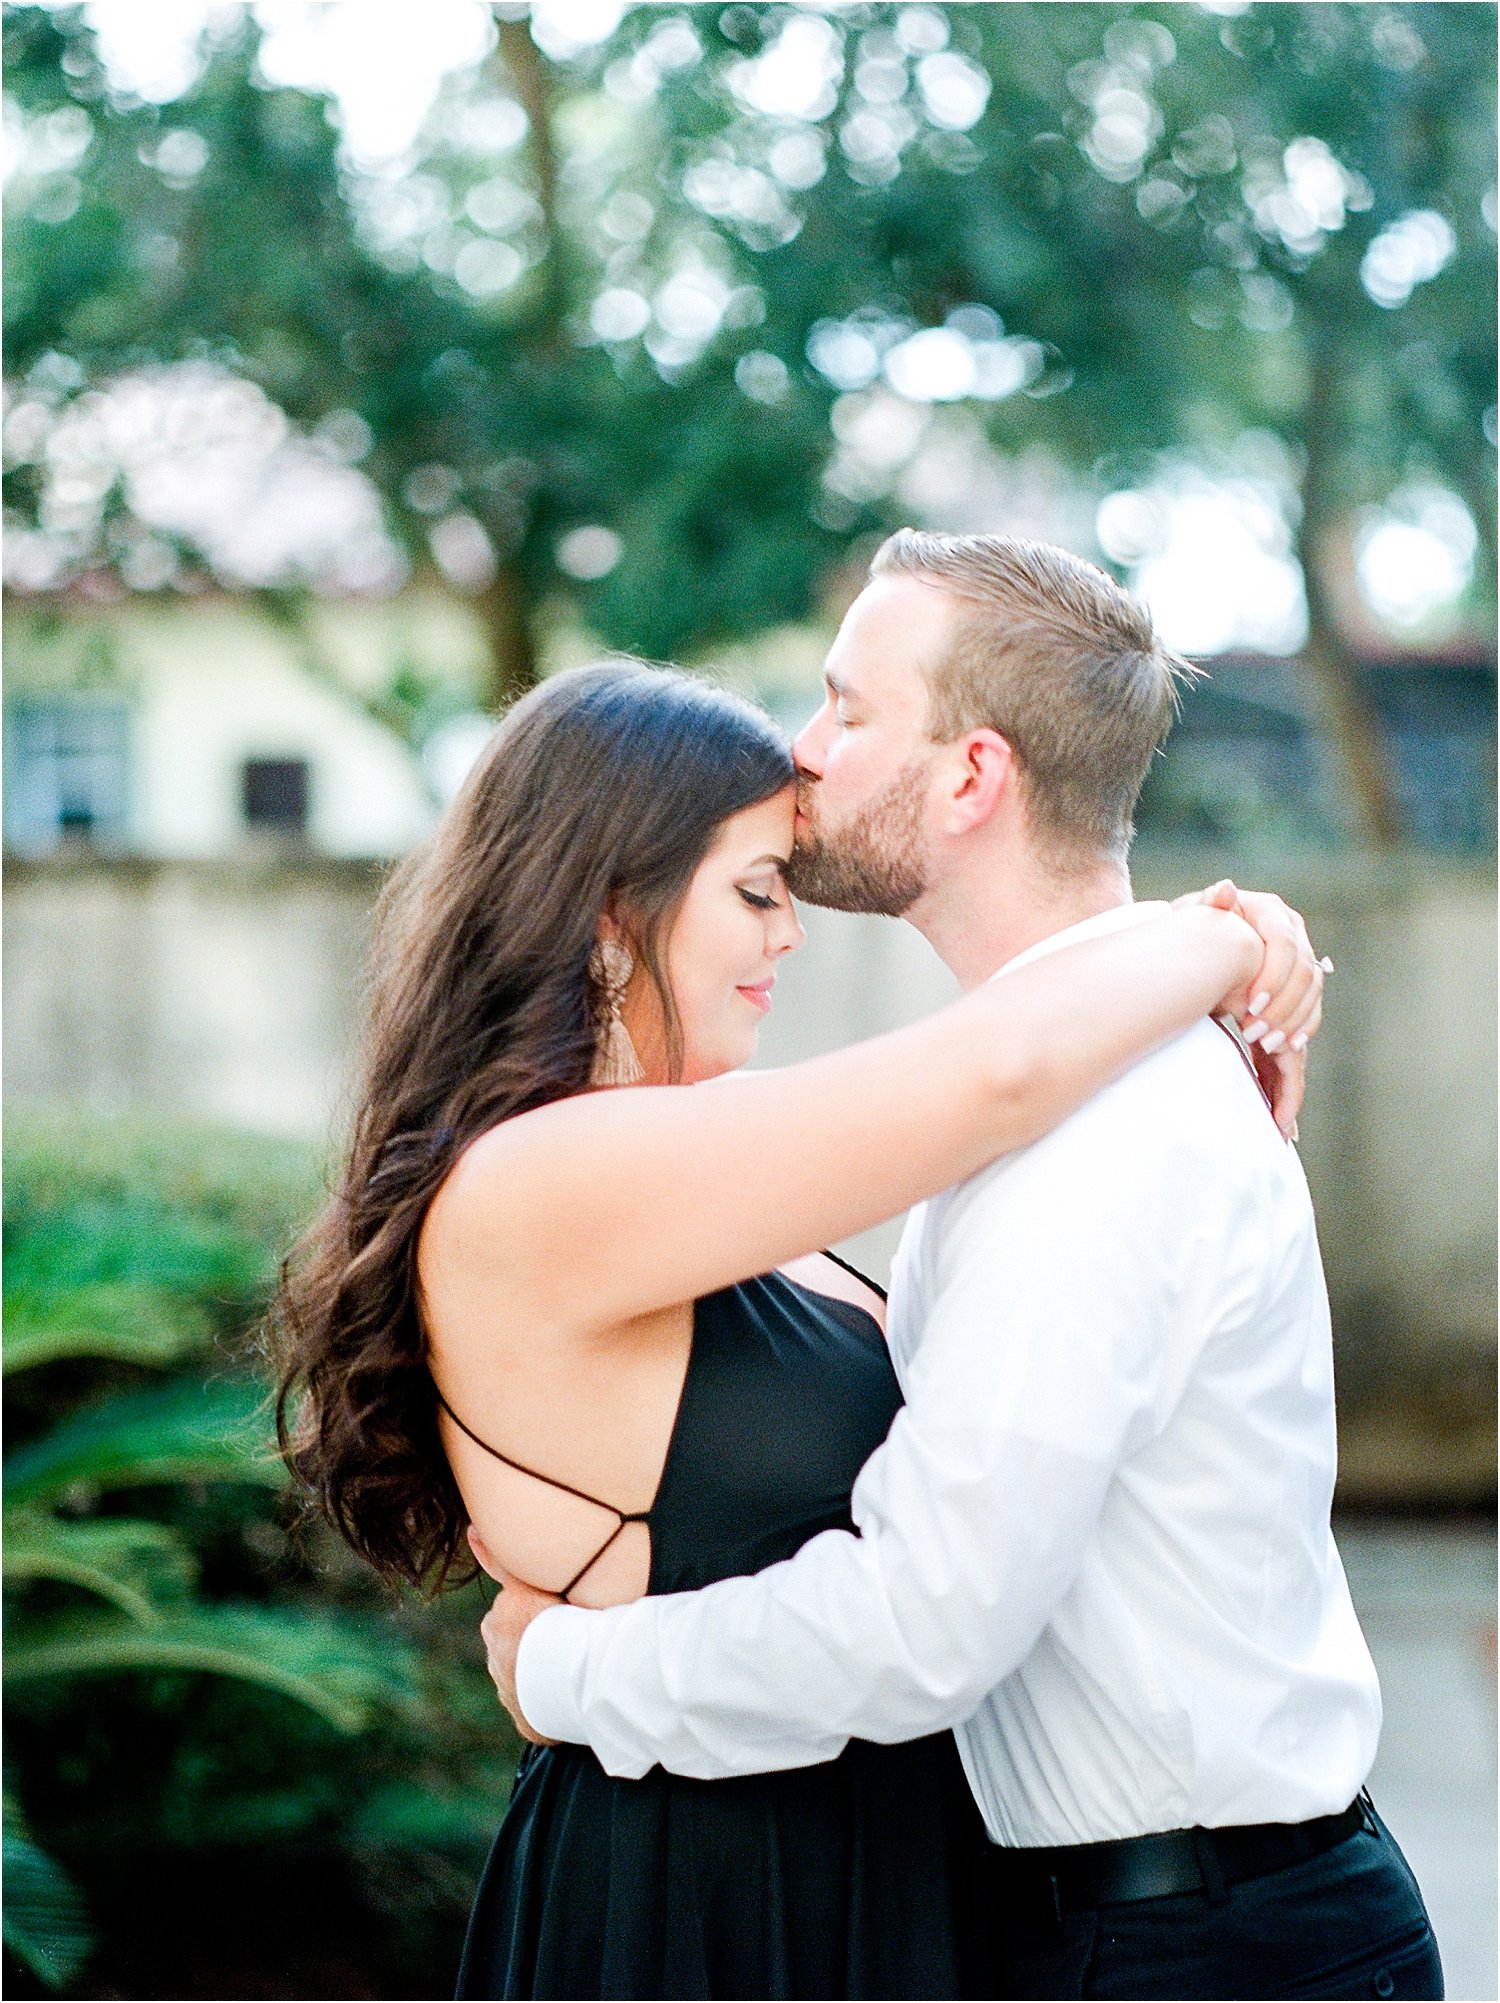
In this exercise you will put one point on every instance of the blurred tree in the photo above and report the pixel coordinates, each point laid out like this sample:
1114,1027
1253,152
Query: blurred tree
1198,221
598,337
1298,202
222,226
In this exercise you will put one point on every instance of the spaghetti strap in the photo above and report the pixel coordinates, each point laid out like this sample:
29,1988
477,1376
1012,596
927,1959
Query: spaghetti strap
638,1516
855,1274
625,1516
589,1564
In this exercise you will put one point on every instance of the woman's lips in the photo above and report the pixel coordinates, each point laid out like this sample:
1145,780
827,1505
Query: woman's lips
759,996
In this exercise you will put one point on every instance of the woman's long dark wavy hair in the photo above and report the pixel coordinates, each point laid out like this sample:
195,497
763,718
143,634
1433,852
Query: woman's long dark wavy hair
605,786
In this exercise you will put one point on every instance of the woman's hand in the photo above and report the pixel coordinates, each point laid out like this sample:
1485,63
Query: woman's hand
1281,1009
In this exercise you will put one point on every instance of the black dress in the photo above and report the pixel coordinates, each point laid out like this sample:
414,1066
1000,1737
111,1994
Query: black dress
853,1878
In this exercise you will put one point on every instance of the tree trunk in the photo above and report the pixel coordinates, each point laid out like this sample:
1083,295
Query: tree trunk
1348,720
1468,481
529,79
1347,716
505,608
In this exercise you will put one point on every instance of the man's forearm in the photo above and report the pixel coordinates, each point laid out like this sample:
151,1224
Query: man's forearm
607,1680
878,1636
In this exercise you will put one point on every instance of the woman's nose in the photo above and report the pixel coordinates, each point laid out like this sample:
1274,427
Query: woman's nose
790,935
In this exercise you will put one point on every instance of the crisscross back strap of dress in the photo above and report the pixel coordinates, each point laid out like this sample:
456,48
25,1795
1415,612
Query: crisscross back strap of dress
507,1460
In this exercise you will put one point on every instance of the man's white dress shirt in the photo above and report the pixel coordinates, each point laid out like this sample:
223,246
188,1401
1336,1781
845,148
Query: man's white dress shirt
1096,1540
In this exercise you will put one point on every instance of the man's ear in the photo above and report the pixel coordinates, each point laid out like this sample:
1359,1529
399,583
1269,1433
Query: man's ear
983,773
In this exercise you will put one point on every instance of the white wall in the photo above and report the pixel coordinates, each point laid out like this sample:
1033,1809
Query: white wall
224,685
230,992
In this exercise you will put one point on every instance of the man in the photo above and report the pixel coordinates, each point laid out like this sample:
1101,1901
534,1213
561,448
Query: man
1096,1542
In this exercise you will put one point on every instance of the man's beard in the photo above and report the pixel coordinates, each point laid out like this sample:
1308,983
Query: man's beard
876,863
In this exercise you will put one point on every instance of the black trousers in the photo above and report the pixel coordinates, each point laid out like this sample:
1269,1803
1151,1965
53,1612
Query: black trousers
1348,1923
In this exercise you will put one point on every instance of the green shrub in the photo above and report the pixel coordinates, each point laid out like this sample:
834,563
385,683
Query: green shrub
198,1696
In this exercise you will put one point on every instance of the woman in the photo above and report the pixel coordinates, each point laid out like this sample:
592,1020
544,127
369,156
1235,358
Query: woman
594,1325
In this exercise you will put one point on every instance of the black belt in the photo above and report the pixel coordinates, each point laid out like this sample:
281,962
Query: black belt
1172,1861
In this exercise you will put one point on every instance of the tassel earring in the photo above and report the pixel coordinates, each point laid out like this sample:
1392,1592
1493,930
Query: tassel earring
615,1062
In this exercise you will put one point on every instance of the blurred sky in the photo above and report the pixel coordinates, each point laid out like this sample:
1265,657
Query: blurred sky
1212,556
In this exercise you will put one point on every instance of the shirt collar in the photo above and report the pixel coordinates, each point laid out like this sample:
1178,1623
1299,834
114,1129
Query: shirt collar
1115,919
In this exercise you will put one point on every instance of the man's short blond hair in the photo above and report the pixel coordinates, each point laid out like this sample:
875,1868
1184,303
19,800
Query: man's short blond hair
1064,664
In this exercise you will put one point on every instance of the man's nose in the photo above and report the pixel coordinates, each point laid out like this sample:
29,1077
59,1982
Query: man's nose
809,745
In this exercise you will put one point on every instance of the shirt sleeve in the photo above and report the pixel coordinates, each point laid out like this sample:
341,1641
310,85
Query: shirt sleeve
1042,1362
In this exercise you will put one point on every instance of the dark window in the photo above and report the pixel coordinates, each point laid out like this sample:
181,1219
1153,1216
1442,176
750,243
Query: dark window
1248,757
274,794
66,769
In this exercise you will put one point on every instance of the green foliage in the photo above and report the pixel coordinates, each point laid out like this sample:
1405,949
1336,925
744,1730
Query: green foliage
183,1431
1173,306
46,1924
199,1210
319,1661
130,1323
139,1567
182,1682
98,1265
1118,197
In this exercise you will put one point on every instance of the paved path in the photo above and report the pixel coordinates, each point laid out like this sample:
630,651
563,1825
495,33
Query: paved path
1426,1598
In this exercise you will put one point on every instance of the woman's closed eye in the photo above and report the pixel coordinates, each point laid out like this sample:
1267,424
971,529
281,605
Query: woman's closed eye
753,898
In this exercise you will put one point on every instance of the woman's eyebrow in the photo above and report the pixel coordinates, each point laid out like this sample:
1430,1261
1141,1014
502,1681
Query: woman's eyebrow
776,861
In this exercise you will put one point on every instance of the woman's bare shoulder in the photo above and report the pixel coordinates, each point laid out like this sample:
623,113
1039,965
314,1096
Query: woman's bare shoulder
482,1214
499,1166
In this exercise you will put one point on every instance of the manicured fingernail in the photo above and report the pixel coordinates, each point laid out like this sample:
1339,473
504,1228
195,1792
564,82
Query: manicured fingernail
1274,1041
1254,1031
1260,1002
1295,1135
1299,1041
